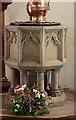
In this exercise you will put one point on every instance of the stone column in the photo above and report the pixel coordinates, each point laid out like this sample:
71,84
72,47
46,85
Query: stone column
41,80
62,48
27,77
23,77
48,77
54,83
38,79
12,77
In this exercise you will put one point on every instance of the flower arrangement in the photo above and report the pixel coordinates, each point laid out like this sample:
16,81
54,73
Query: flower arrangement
27,101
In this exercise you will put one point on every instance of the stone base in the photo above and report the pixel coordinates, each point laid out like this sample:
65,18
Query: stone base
55,93
57,100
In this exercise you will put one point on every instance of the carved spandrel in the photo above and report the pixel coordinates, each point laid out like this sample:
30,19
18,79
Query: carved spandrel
52,35
24,35
11,37
34,35
11,45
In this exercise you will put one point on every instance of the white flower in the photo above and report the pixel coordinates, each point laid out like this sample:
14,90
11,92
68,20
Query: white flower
16,90
21,89
30,109
38,103
37,94
13,101
35,91
23,86
15,110
43,95
17,105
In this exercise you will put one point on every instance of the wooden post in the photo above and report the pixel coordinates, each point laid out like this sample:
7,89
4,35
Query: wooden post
3,81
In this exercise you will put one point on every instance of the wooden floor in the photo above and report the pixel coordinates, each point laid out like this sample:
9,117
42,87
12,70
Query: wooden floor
63,111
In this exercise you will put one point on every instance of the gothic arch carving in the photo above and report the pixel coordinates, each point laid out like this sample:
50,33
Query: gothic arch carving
52,36
12,37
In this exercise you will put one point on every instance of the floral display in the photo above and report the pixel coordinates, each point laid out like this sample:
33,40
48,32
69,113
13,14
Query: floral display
27,101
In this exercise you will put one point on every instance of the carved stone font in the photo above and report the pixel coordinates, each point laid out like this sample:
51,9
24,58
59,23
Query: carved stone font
38,48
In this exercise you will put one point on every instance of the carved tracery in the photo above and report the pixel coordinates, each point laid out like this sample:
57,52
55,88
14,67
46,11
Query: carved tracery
52,36
27,35
12,37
